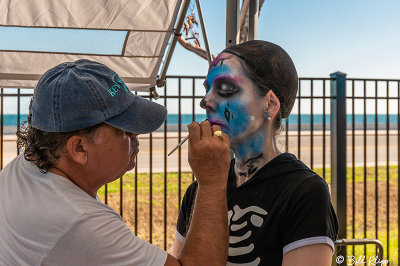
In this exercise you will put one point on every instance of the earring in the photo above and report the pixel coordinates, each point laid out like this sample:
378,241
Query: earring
266,116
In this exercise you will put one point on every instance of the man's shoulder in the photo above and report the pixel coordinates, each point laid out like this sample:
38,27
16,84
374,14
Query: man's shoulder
40,207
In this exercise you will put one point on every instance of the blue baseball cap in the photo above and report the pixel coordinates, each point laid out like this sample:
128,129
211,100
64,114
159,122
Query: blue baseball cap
81,94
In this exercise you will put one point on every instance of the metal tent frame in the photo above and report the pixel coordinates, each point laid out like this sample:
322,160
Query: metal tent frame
16,72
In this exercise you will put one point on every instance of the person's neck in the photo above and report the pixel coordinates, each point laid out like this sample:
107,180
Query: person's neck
253,153
77,179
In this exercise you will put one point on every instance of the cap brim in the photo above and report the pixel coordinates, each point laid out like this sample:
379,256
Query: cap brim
141,117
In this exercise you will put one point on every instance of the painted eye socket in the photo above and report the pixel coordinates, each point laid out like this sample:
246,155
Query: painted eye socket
226,88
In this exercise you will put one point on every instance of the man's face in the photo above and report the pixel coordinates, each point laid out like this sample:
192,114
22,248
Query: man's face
113,152
230,100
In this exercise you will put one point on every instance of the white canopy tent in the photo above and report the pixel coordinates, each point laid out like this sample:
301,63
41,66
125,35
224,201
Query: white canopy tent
129,36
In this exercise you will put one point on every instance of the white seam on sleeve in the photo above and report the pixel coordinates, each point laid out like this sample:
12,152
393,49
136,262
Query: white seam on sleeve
309,241
179,236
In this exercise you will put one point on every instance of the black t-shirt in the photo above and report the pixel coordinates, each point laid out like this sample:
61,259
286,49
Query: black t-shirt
285,205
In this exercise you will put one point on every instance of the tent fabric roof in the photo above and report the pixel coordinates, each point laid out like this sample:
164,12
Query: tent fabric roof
147,26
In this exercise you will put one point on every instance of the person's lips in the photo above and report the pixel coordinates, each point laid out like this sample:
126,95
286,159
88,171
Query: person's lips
135,149
218,123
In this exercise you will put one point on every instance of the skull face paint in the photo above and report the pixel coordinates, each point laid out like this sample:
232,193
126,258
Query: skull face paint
232,103
230,99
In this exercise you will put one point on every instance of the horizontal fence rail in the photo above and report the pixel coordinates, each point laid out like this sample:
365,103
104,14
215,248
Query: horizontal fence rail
148,197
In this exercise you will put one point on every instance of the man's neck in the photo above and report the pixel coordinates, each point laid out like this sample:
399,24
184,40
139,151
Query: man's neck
253,153
77,180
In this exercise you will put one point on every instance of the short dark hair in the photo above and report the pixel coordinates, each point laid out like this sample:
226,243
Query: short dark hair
44,148
270,68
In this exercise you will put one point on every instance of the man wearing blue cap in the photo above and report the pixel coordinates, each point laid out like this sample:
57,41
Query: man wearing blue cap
81,134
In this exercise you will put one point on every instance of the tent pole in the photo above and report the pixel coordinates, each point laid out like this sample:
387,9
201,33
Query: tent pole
203,29
232,22
253,19
161,79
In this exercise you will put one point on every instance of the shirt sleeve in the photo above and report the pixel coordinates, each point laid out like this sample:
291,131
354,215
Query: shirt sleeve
185,212
310,218
102,239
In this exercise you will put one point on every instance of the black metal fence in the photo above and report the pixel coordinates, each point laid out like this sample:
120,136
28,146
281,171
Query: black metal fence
366,195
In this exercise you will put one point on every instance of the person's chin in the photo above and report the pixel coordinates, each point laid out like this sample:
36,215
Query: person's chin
132,163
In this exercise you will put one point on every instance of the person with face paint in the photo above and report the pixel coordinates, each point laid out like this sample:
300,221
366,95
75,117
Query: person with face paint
279,210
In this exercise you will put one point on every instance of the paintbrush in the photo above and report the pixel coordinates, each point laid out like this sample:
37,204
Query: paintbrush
179,144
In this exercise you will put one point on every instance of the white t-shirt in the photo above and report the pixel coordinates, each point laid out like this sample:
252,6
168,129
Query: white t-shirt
45,219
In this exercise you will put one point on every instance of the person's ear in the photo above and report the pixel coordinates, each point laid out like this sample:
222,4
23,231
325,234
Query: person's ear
77,149
272,104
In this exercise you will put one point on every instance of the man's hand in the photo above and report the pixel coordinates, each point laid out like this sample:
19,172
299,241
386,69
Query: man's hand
207,239
209,155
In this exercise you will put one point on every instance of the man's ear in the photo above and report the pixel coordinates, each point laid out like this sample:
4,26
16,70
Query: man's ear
77,149
272,104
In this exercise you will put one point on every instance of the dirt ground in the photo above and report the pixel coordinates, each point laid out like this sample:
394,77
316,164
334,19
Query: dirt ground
371,207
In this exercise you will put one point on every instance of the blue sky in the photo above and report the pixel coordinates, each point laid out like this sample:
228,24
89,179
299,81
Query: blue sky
358,37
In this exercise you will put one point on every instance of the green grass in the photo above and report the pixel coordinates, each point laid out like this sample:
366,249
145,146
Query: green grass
359,226
359,173
143,183
172,179
359,249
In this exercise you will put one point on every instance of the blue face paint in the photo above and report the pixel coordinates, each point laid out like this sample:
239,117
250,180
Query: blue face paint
251,146
232,115
231,106
216,72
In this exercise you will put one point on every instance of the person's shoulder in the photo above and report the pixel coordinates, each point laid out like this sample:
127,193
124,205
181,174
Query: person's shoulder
313,187
13,165
74,198
299,176
96,237
287,165
296,165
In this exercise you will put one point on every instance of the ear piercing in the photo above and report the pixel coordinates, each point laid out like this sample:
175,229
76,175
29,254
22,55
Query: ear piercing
266,116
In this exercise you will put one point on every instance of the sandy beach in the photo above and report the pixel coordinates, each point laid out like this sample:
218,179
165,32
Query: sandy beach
179,158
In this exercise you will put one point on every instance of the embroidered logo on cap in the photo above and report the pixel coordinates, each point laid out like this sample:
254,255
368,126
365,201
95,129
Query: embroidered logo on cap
118,85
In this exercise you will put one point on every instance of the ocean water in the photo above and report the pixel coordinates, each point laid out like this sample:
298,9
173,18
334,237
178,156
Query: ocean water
305,119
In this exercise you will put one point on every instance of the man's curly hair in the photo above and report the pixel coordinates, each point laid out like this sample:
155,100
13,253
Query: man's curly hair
44,148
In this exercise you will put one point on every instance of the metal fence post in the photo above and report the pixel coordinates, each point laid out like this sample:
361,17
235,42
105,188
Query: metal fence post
338,151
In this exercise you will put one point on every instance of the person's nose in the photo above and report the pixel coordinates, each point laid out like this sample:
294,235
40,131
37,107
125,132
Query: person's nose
207,103
134,138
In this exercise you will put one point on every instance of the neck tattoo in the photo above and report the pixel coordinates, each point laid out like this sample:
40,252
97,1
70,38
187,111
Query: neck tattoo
250,167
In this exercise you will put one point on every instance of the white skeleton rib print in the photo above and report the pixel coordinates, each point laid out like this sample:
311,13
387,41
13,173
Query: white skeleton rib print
256,219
